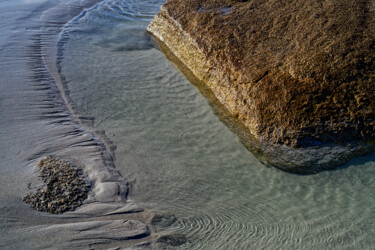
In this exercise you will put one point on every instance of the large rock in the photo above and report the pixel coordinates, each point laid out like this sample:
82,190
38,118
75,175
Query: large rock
296,77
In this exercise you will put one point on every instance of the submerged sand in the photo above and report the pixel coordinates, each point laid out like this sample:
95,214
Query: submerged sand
37,120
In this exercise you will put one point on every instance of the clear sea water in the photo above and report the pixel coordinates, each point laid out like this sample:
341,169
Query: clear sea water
181,160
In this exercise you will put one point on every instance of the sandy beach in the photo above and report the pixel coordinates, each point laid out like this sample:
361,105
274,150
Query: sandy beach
82,81
36,121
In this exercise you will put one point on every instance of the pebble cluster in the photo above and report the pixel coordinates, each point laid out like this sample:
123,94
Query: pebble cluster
65,187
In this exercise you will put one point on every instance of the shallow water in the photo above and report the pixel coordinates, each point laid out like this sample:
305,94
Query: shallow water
34,122
183,161
179,158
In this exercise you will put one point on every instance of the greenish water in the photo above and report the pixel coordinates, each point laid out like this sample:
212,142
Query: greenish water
181,160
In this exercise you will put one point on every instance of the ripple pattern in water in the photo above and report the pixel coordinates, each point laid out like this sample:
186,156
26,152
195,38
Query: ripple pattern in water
182,160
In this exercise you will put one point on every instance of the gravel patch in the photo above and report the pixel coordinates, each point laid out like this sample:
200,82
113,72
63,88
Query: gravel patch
65,186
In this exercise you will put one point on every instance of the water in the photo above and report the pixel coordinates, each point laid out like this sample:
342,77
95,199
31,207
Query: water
182,161
34,122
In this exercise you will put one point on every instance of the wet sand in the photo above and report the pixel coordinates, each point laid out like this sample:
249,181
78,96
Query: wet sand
175,154
36,121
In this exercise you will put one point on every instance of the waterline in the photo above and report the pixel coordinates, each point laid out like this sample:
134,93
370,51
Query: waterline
181,160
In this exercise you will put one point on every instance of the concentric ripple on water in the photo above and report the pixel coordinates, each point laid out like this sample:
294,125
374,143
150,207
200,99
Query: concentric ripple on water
182,160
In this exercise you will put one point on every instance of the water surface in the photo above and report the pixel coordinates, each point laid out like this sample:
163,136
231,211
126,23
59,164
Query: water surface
34,122
181,160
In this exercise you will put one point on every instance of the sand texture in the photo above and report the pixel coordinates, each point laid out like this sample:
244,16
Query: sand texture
79,183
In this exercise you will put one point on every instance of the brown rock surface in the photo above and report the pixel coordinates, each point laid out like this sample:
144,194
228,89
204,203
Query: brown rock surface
297,76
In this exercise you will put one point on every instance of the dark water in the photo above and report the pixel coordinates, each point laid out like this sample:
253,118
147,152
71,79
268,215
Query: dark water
182,161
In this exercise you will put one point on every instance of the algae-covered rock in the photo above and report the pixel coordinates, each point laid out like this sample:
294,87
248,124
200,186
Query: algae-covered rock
296,77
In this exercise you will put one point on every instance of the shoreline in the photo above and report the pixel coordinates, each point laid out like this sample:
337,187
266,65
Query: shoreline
179,159
50,59
60,132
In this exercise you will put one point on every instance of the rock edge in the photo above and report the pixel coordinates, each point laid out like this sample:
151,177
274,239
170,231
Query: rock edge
298,155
